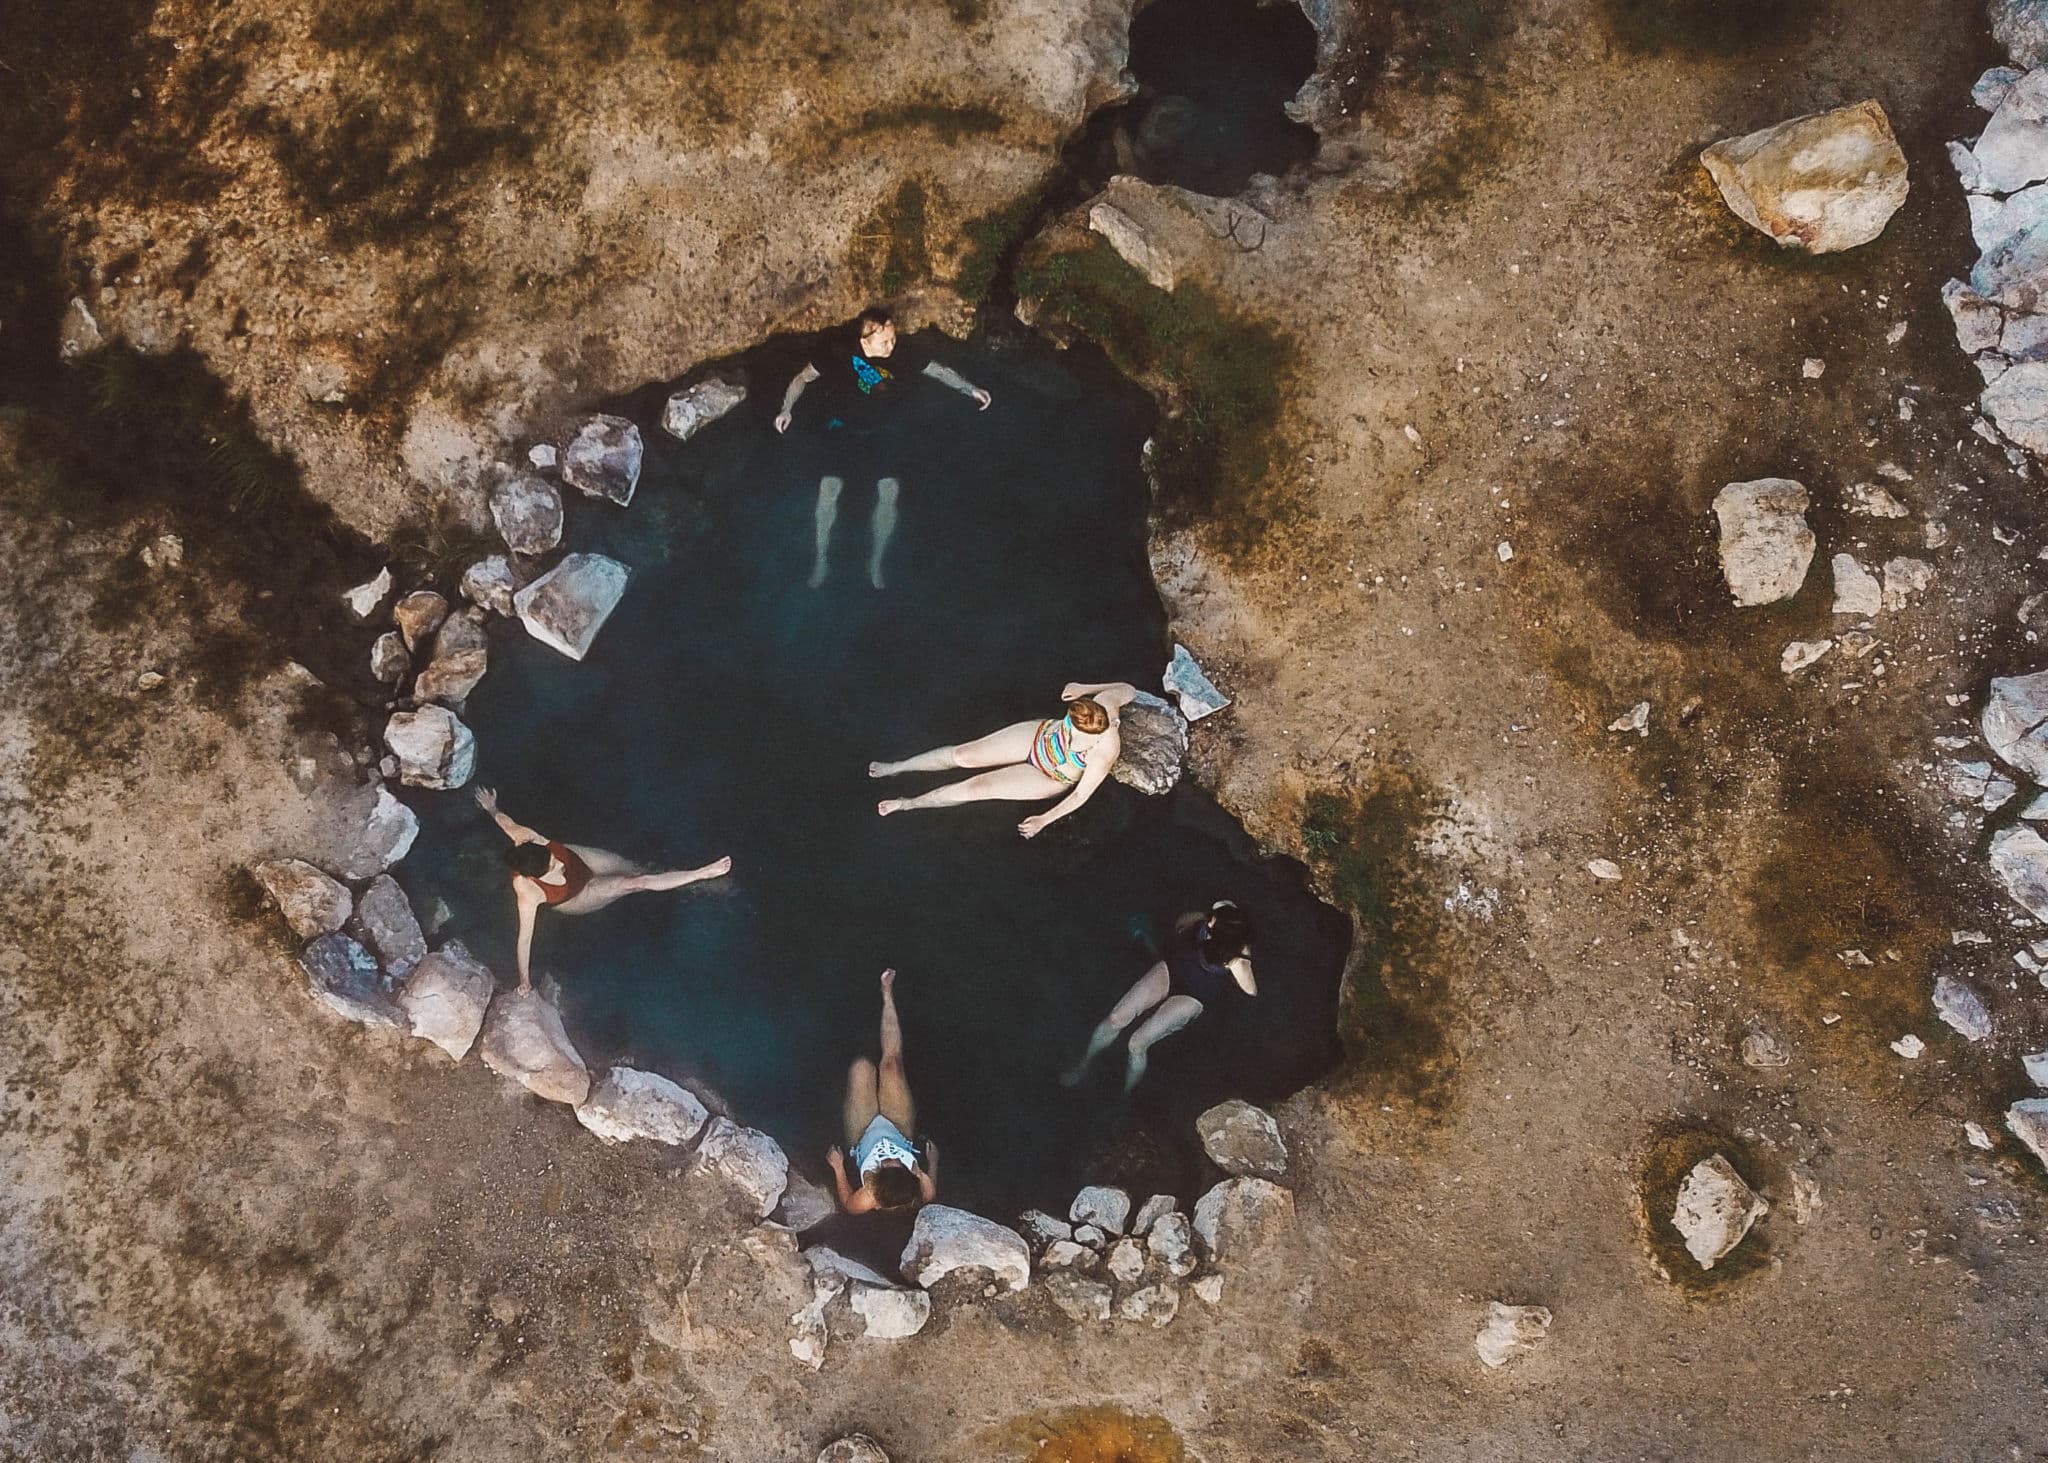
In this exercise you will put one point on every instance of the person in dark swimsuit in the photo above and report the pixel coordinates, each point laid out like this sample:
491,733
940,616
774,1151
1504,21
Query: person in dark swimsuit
1208,960
573,878
865,374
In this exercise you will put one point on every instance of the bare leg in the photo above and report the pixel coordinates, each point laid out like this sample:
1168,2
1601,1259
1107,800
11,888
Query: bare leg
893,1092
1174,1012
1003,748
883,527
1004,784
1150,989
827,514
677,878
861,1105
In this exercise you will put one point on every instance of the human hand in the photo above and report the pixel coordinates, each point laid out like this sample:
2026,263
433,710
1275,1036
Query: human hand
982,399
931,1157
835,1159
1034,825
782,421
486,799
1071,691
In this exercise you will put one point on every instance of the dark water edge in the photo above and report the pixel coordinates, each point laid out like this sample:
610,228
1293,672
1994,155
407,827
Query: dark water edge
727,708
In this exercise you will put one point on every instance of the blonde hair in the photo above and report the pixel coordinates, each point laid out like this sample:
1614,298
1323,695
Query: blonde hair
1088,715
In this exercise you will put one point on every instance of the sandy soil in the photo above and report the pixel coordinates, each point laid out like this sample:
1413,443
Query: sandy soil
231,1227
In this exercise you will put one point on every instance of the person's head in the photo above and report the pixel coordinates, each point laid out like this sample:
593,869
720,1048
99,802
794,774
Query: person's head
877,334
894,1186
531,859
1230,933
1088,715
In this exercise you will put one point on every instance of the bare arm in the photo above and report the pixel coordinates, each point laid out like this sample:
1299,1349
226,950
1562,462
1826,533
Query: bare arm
517,832
852,1200
797,383
1101,757
1241,972
950,377
1112,694
530,900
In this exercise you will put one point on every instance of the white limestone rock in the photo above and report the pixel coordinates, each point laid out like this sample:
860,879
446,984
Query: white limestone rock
345,978
2027,1120
445,998
462,653
312,902
528,513
747,1161
946,1240
1856,588
433,747
1799,654
365,599
1959,1005
1042,1228
627,1103
1510,1331
1171,1242
78,333
1138,249
1715,1210
1903,579
890,1312
853,1448
696,407
1243,1140
491,582
1989,90
385,923
805,1205
376,831
2013,151
1154,1305
823,1260
603,458
1106,1207
1066,1254
523,1040
1191,687
2019,861
390,662
2021,26
568,605
1766,546
1238,1215
2015,723
2036,1067
1126,1261
1078,1297
1152,1211
1820,183
1978,321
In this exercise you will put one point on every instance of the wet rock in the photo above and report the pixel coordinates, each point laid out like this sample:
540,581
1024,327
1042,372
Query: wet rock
2021,26
2013,151
1821,183
853,1448
78,334
1510,1331
1103,1206
696,407
2019,860
1904,578
747,1161
433,747
1171,1242
1126,1261
418,615
1856,588
1191,688
528,513
2015,723
568,605
446,997
1990,89
365,599
1766,546
1715,1210
311,902
890,1312
1155,745
389,661
603,459
462,653
377,831
1241,1214
1243,1140
1080,1298
1152,1211
345,978
627,1103
1066,1254
1762,1050
2027,1120
1042,1228
523,1040
1154,1305
1961,1007
384,921
946,1240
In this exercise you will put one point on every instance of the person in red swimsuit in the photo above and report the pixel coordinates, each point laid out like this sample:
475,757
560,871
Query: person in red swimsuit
572,878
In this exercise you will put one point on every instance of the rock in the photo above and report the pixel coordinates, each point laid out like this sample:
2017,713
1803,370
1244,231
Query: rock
1091,1236
1975,1135
1152,1211
418,615
1240,1214
1196,694
325,378
1976,782
1210,1289
2036,1067
364,600
544,456
853,1448
164,552
568,605
78,334
1962,1008
747,1161
1904,578
384,921
311,902
603,459
1100,1205
1909,1046
523,1039
2013,151
805,1205
2021,26
1171,1241
433,747
2027,1120
1799,654
1080,1298
1762,1050
1155,1305
1243,1140
445,998
1856,588
2017,402
945,1240
808,1344
1042,1228
490,584
462,653
1977,320
2019,859
1604,869
1126,1261
2015,723
1989,89
344,977
627,1103
528,513
696,407
1064,1254
1715,1210
1766,546
826,1261
1812,368
1128,237
1510,1331
389,661
890,1312
1155,745
378,831
1636,719
1821,183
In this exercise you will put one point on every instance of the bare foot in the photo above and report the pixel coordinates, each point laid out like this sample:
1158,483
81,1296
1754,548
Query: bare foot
889,805
720,869
888,980
879,769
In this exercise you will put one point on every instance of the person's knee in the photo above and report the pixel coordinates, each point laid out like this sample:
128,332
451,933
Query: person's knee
887,489
828,490
861,1073
892,1067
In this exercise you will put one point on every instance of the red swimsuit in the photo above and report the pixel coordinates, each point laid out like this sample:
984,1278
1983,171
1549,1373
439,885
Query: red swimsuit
575,874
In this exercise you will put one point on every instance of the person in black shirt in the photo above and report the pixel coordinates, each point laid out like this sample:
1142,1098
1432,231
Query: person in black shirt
1208,961
864,375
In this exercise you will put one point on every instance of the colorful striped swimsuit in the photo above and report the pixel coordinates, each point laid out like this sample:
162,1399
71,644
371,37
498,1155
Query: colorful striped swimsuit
1053,751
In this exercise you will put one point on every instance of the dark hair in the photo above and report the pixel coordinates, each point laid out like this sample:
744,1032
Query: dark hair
530,859
1088,715
875,315
1229,933
895,1186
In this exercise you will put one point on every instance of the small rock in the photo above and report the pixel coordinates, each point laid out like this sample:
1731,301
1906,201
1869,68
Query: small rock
1079,1297
890,1312
1065,1254
311,902
1989,89
149,680
1171,1241
384,921
1761,1049
377,831
490,584
1042,1228
1636,719
2027,1120
1243,1140
344,977
418,615
389,661
544,456
364,600
1510,1331
462,653
1197,695
2018,402
1805,1197
433,747
603,459
627,1103
1800,654
2036,1065
1126,1261
1151,1212
1909,1046
1154,1305
1105,1207
1904,578
528,513
1978,321
1766,546
523,1040
1976,1136
1210,1289
78,334
853,1448
1601,868
1504,551
1962,1008
1715,1210
1091,1236
1821,183
2013,151
945,1240
823,1260
1155,745
446,997
1813,368
1240,1214
568,605
1856,588
747,1161
165,552
694,408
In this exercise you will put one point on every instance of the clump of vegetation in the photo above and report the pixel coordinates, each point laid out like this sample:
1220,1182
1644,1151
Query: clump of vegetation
1224,375
891,247
1722,27
992,238
1448,38
948,121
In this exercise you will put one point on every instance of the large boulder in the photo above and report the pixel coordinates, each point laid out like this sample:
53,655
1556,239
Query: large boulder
2021,26
446,997
2027,1120
346,979
1243,1140
2015,722
603,459
748,1162
2013,151
627,1103
1715,1210
1238,1215
890,1312
523,1039
2019,859
1766,546
696,407
945,1240
384,922
1155,745
312,902
1820,183
569,604
462,653
376,831
528,513
433,747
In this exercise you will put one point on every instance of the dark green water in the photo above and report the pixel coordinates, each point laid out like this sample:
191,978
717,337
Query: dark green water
726,708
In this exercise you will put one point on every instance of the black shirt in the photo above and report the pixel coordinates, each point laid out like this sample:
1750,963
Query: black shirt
855,391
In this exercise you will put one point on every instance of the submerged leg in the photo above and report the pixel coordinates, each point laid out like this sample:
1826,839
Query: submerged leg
827,514
1173,1013
1003,748
678,878
893,1090
1150,989
883,528
1005,784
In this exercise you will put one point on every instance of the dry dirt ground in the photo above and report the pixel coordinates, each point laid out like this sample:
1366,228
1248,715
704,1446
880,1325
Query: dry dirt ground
231,1227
